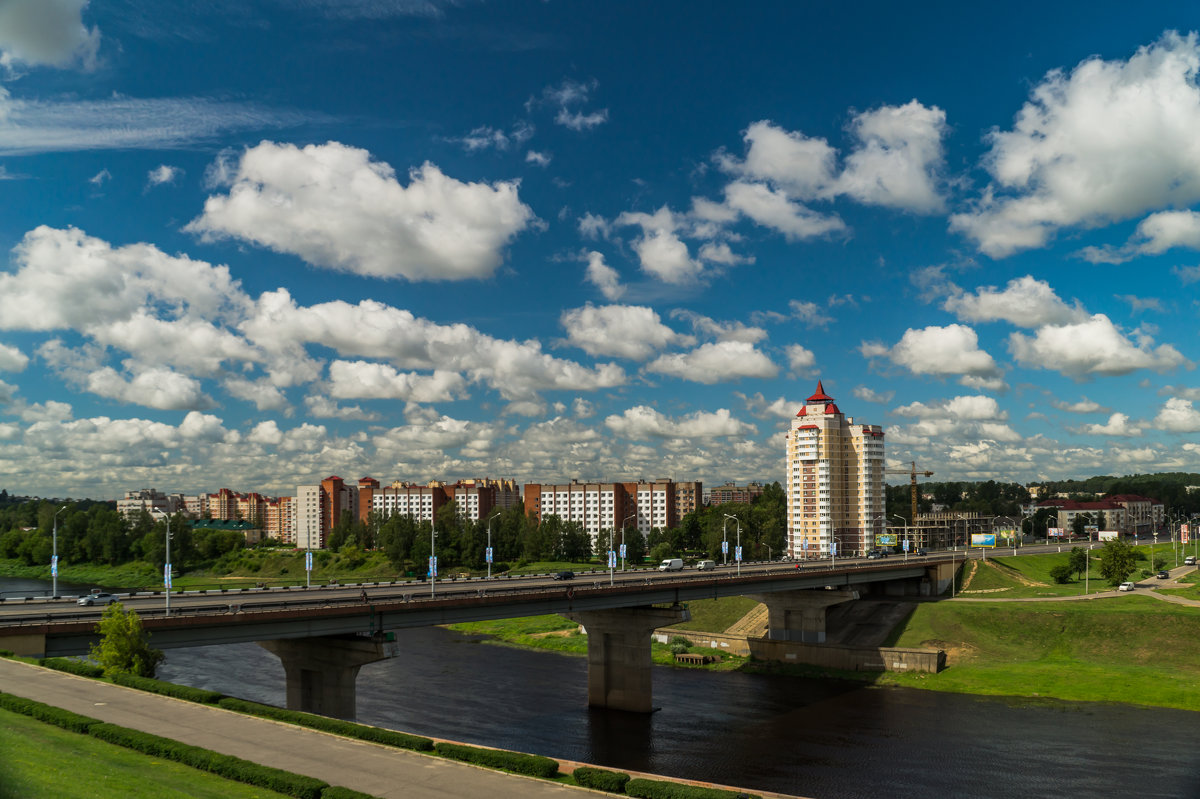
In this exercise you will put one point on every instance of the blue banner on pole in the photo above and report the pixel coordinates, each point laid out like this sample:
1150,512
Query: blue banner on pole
433,566
724,547
612,559
487,555
833,548
737,553
167,575
622,550
307,561
54,566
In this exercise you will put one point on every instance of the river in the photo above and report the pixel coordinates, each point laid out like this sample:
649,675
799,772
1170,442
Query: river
817,738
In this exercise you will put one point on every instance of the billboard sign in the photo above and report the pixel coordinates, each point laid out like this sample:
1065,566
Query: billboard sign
1056,532
1109,535
983,539
886,540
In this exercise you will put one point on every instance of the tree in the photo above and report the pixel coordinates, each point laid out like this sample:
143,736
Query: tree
124,647
1116,562
1061,573
1077,560
1080,521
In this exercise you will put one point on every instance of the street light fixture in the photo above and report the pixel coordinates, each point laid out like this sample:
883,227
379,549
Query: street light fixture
905,523
738,551
54,556
167,571
623,523
725,540
432,556
488,554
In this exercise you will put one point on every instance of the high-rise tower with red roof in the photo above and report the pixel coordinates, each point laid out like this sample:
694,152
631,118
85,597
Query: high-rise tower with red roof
834,481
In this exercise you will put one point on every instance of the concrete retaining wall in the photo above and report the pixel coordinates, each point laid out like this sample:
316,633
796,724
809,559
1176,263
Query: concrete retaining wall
848,658
733,644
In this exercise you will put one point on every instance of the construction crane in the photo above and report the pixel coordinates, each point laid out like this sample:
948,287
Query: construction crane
913,473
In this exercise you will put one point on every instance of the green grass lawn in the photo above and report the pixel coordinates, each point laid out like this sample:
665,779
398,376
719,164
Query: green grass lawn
1029,576
716,615
1120,649
40,761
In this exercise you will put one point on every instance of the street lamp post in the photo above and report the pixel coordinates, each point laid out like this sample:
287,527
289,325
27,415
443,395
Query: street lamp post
488,554
432,556
167,570
623,523
905,523
54,556
612,557
725,540
738,551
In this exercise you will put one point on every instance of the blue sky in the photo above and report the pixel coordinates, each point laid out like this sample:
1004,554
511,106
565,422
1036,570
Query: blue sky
252,244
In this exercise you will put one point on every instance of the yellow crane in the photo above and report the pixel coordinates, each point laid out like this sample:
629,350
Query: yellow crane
913,473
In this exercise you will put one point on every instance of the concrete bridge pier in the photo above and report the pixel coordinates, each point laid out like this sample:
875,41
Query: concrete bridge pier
800,615
321,672
619,653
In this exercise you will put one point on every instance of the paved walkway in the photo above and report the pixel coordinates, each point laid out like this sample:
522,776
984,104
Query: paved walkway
381,771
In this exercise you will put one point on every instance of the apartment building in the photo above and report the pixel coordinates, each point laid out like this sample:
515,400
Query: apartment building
319,507
601,507
729,492
688,497
834,480
156,503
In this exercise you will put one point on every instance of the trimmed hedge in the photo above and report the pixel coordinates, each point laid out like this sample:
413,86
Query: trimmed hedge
233,768
517,762
349,729
47,713
600,779
338,792
73,666
659,789
153,686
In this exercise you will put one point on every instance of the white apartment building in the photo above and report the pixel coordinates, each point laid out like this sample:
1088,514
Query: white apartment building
834,481
603,507
158,504
306,518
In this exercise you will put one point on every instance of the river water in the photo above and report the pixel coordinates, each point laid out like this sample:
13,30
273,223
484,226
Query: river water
817,738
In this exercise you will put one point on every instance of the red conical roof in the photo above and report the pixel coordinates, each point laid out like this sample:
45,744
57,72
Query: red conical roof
820,396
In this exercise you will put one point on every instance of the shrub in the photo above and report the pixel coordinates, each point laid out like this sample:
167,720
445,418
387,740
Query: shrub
659,789
47,713
186,692
601,779
233,768
517,762
123,646
72,666
1061,573
338,792
349,729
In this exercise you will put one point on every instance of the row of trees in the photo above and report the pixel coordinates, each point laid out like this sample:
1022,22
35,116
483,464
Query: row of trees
1117,559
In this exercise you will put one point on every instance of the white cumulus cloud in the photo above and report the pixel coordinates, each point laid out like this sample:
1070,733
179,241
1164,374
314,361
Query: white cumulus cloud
642,422
715,363
628,331
1095,346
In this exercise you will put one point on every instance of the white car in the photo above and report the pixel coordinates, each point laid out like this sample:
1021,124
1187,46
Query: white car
1125,587
97,598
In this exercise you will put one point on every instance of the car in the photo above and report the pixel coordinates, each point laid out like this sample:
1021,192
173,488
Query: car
1190,560
1125,587
706,565
1162,575
922,551
97,598
874,555
564,575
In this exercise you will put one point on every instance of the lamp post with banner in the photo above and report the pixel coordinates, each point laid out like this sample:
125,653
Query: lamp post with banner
308,568
167,570
432,558
624,522
54,556
905,523
487,555
725,540
737,553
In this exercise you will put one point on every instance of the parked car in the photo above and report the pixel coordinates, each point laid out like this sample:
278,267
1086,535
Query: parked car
1162,575
1125,587
1190,560
706,565
565,575
97,598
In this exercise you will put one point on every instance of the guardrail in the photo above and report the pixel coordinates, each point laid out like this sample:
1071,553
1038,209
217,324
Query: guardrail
351,597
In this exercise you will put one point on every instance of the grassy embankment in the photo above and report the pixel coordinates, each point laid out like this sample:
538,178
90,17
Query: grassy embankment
1117,648
41,760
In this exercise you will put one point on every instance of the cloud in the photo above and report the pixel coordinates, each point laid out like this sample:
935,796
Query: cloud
537,158
949,350
867,394
567,96
46,33
1178,416
1187,274
642,423
1155,235
780,408
720,253
1141,304
604,277
593,227
964,408
1085,405
265,396
1024,302
1052,170
100,177
715,363
335,208
721,331
163,389
12,359
628,331
162,174
800,360
577,120
486,137
773,208
809,313
963,418
1117,425
368,380
29,127
665,256
1093,347
325,408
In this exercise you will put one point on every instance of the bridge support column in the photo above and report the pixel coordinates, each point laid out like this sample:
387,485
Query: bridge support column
800,615
321,672
619,654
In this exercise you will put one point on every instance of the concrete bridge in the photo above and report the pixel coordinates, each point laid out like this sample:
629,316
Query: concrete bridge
323,636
